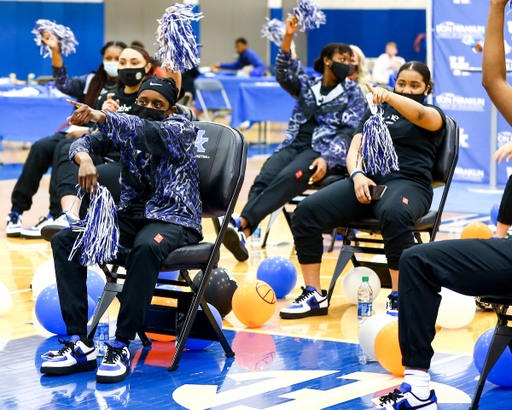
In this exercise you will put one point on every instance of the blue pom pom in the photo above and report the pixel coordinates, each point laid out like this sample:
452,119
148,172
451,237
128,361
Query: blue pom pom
308,14
274,30
67,41
177,46
98,233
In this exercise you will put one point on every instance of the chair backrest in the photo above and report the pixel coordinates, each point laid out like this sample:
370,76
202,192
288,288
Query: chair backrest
447,154
208,85
221,158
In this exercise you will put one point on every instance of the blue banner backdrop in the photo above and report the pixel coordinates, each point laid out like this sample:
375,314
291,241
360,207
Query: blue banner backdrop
458,26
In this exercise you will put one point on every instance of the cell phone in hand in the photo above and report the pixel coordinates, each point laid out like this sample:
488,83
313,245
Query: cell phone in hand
376,192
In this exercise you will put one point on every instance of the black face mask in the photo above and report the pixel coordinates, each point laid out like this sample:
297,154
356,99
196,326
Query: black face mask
419,98
342,71
145,113
131,76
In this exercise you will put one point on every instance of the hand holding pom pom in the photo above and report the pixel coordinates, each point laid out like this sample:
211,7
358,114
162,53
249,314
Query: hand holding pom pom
308,14
52,36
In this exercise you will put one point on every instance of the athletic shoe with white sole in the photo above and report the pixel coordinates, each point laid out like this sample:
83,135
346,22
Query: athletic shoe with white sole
35,231
310,303
75,356
235,241
62,221
14,226
392,304
115,365
403,398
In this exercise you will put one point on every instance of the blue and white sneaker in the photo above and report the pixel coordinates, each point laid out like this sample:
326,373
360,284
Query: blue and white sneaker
62,221
403,398
35,231
310,303
14,226
235,241
75,356
115,365
392,304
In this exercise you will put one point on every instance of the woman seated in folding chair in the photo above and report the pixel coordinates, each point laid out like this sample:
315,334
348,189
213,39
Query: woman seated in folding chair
160,211
327,111
416,130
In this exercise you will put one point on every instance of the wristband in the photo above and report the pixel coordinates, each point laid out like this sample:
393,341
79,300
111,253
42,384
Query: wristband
357,171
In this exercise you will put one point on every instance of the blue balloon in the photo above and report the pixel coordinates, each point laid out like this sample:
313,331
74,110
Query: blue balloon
95,284
494,214
279,273
199,344
500,373
170,275
48,311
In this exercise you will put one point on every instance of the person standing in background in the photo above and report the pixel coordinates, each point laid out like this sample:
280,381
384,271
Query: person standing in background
387,64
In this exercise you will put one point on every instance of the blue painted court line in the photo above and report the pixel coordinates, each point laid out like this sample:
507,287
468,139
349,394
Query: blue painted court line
267,371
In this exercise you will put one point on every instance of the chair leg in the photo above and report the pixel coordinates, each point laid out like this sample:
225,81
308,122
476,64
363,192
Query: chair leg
218,331
109,293
273,217
346,255
144,339
333,241
501,339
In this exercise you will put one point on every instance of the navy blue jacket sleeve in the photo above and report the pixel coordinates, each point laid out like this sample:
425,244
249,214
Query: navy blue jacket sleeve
73,86
289,72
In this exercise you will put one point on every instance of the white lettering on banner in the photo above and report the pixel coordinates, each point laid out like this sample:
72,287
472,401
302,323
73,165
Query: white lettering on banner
458,63
461,1
504,137
450,101
469,174
451,30
463,138
509,26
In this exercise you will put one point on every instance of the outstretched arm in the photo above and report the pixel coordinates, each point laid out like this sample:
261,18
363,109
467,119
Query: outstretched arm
494,71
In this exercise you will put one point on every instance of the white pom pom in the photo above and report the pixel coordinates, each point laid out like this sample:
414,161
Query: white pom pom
67,41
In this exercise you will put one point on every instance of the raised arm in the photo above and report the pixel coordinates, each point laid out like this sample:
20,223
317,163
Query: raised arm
494,71
288,69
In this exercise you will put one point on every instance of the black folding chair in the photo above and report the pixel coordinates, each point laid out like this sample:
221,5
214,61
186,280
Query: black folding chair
210,85
501,340
444,168
221,157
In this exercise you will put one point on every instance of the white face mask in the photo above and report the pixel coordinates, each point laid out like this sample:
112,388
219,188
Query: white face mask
111,68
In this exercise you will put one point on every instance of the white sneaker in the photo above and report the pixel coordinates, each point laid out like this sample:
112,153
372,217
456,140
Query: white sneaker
35,231
403,398
310,303
62,221
14,225
115,365
74,357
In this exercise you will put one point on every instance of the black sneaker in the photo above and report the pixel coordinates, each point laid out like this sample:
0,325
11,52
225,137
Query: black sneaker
115,365
392,304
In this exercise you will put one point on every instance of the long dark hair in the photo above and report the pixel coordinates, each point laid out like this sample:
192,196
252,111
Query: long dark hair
328,51
422,70
100,77
147,58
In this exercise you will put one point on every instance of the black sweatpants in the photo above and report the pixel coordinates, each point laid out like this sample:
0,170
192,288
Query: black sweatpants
143,265
336,205
39,160
505,214
472,267
283,176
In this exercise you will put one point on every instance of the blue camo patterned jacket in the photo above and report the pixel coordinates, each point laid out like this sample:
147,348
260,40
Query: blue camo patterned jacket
337,116
159,163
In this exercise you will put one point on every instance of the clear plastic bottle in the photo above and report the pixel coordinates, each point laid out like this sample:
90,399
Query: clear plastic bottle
102,333
364,299
256,237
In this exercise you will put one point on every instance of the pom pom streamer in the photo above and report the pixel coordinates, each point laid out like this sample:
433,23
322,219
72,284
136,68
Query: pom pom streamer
274,30
309,15
177,46
377,147
98,233
67,41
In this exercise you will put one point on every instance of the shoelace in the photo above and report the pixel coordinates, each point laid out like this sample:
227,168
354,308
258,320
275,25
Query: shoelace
67,345
41,221
14,218
391,397
112,353
305,294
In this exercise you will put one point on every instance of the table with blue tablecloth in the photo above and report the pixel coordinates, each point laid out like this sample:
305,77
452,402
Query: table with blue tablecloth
30,118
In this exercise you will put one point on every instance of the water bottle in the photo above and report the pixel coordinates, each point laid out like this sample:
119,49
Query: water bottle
102,333
256,237
364,301
50,86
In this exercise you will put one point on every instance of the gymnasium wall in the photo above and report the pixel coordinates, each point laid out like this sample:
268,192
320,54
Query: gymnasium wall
18,51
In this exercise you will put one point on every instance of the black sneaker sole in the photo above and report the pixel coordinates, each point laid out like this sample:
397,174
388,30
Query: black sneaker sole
234,245
312,312
79,367
110,379
14,235
30,237
48,232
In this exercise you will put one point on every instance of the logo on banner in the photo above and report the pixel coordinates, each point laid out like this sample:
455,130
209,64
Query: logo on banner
469,174
458,63
451,30
504,137
450,101
463,138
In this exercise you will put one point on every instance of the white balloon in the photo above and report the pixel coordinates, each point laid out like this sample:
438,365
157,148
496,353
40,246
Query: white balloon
44,276
5,299
353,279
456,310
369,330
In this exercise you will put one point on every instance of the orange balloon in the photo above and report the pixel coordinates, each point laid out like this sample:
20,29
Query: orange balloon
254,303
158,300
253,351
387,349
476,230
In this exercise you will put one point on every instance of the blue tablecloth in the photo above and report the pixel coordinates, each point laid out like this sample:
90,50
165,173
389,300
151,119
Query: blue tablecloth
31,118
262,102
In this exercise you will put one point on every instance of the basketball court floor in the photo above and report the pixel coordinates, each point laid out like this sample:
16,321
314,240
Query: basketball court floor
310,363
